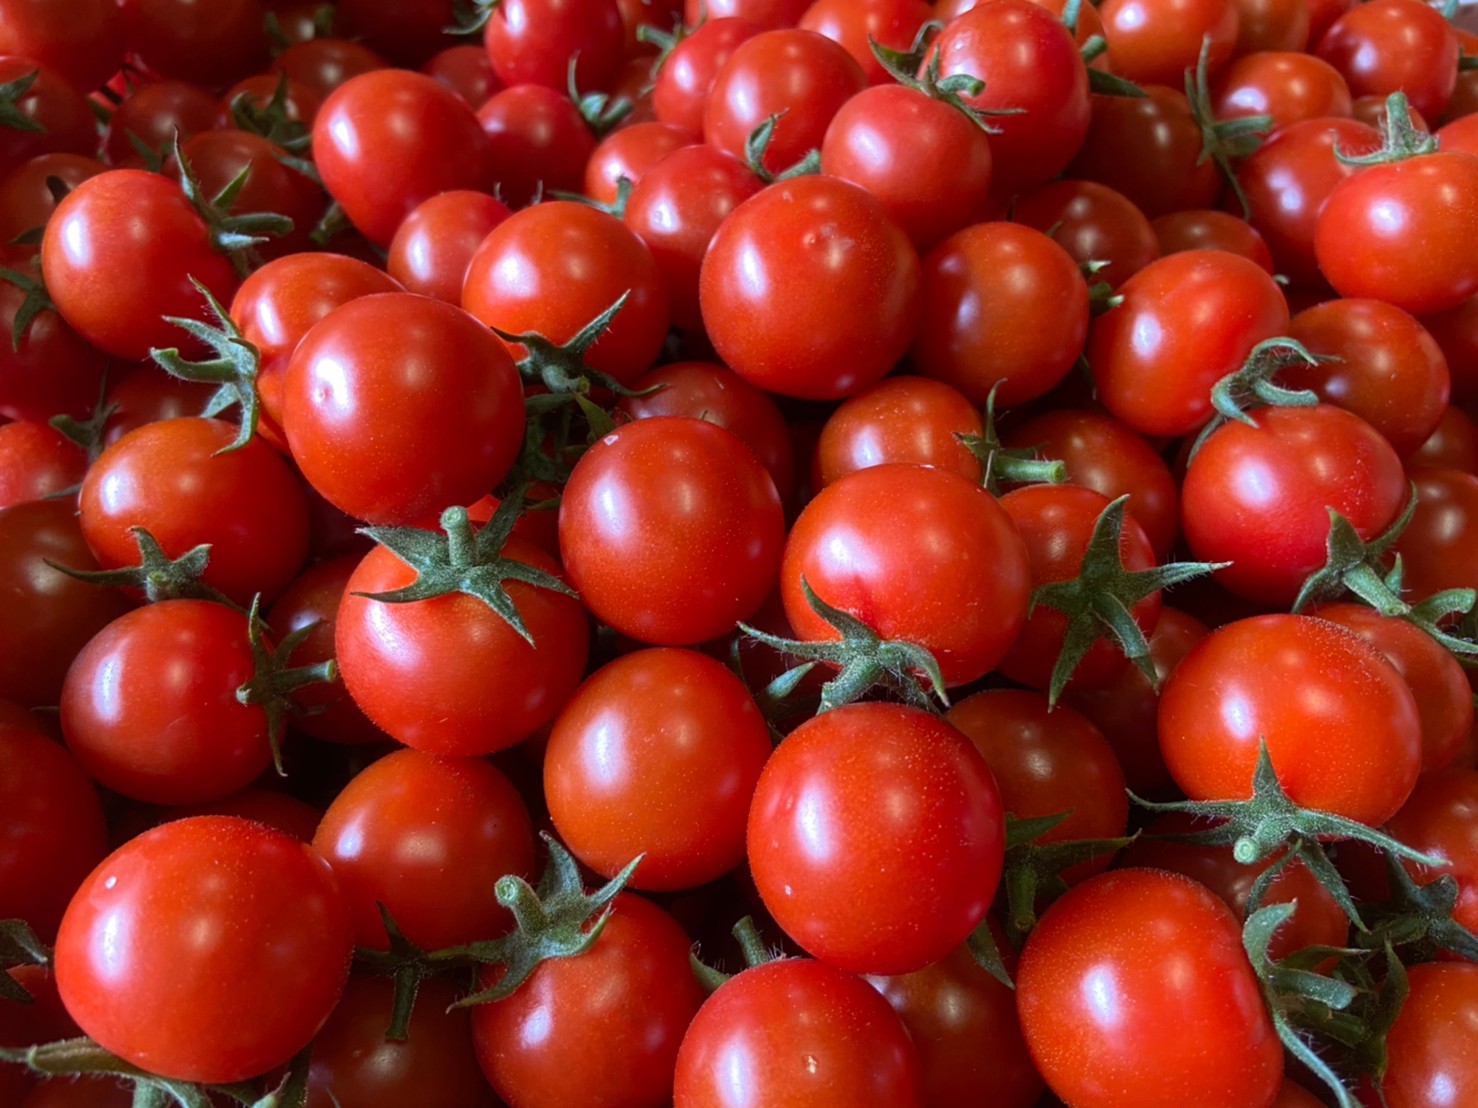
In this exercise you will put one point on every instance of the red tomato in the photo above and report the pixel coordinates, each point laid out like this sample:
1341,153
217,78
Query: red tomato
876,838
1272,25
1441,819
1093,223
50,371
434,245
37,461
81,39
471,684
1453,445
208,949
1153,42
534,41
376,141
153,114
630,152
26,201
55,115
1430,1060
656,754
406,30
856,25
919,554
323,64
1211,230
913,420
1387,45
1288,87
467,71
671,530
809,289
797,1034
1439,548
1340,724
1134,992
685,78
428,838
599,1030
180,38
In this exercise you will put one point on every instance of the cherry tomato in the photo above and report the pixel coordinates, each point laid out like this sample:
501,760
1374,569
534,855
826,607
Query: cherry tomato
685,78
1437,549
1286,86
434,245
855,26
1387,45
1093,223
26,200
538,143
467,71
37,461
1153,42
630,152
1441,819
56,116
1211,230
1429,1044
406,32
151,116
214,45
534,42
82,41
913,420
322,65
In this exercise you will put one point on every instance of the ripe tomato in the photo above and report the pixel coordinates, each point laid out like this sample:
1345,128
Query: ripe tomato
1153,42
656,754
428,838
1428,1046
81,40
450,676
153,114
1340,724
1093,223
37,461
671,530
1438,548
1211,230
810,289
533,42
1441,818
891,23
50,371
26,201
322,65
876,837
685,78
179,38
1288,87
398,406
601,1029
538,143
435,243
1387,45
919,554
56,116
208,949
1134,992
630,152
797,1034
913,420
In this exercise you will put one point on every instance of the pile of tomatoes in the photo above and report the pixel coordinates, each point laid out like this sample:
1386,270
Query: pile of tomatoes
614,553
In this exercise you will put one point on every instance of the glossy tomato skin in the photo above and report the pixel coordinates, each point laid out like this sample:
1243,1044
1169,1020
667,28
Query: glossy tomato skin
1056,522
1430,1044
324,64
51,371
600,1030
81,41
533,41
1153,42
56,114
375,141
355,1066
555,267
918,554
1453,445
671,530
1441,819
1093,223
208,949
1046,761
53,830
797,1034
912,420
466,70
153,114
1003,305
689,743
472,685
177,38
630,152
1207,229
538,142
876,837
398,406
428,838
964,1026
49,616
26,202
1029,63
810,290
37,461
891,23
1437,548
682,84
1287,86
1116,964
1395,44
150,710
1307,461
435,243
172,479
1340,724
1187,320
139,223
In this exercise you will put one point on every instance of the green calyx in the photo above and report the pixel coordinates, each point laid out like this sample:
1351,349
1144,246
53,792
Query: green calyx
270,120
864,661
758,143
1222,141
464,561
1401,139
1268,822
601,111
236,236
234,369
1002,466
1032,876
471,17
616,207
37,300
909,68
558,919
157,576
1099,602
1251,386
274,679
1418,918
1101,81
19,946
12,92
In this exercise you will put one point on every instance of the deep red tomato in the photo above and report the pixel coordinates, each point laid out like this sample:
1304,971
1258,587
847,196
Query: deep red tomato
471,684
797,1034
398,406
434,245
656,754
1306,461
376,141
554,268
1093,223
1318,919
427,838
682,84
1441,819
1153,42
630,152
876,837
919,554
913,420
208,949
1048,761
1453,445
56,115
1439,548
130,221
809,289
671,530
152,115
538,143
51,371
146,394
855,25
1134,992
37,461
26,201
355,1066
299,103
286,813
323,64
407,31
800,75
963,1025
213,45
49,616
466,70
1340,724
150,710
171,479
533,42
1208,229
1287,86
81,39
1272,25
1186,321
1428,1046
52,831
600,1030
1387,45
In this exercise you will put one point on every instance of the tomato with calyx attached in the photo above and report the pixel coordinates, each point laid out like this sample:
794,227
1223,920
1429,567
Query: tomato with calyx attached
1429,1045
